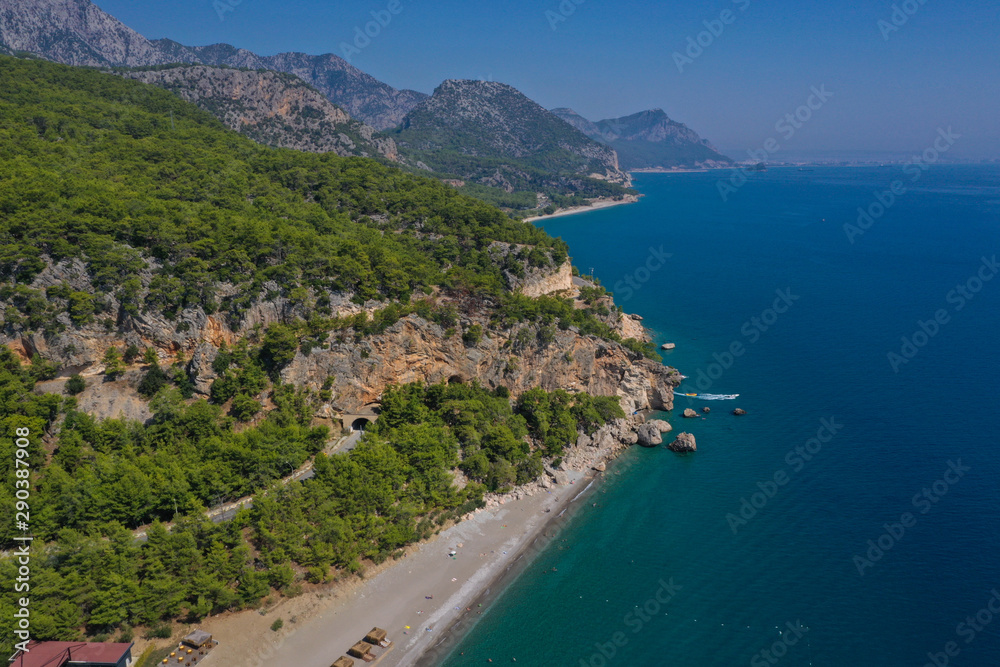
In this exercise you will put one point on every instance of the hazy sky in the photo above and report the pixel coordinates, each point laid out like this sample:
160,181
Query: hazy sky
939,65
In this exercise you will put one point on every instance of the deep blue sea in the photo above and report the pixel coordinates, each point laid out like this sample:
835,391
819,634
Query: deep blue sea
707,559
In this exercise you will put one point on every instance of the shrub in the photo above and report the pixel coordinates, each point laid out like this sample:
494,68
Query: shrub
244,407
277,625
473,335
76,384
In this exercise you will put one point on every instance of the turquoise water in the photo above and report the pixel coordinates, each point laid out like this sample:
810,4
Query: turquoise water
595,594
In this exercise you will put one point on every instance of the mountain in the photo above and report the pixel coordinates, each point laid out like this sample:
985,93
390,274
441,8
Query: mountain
493,135
363,96
77,32
649,140
74,32
272,108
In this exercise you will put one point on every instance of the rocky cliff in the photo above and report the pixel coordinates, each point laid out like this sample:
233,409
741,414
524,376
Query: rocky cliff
649,140
271,108
413,349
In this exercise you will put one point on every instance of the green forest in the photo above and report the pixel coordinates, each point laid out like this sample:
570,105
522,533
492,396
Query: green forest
120,175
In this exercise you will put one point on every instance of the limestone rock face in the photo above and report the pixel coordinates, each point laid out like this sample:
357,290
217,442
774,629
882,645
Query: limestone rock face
649,435
685,442
412,349
272,108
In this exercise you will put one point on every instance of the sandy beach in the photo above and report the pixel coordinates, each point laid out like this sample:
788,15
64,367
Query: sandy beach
596,205
417,599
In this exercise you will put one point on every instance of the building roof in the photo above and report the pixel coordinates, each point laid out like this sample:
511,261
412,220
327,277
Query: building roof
57,654
198,638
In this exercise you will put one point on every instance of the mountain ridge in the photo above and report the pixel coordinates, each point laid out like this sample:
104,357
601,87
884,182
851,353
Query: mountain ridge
272,108
78,32
649,140
494,135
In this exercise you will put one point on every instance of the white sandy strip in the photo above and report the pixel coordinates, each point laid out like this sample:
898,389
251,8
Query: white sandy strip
596,206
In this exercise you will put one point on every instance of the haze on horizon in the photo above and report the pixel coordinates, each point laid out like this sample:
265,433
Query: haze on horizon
927,65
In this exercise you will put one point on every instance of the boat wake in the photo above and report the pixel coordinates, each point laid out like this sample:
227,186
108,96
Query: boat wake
712,397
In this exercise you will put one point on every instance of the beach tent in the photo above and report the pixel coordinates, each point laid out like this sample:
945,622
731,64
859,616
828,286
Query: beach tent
343,661
376,636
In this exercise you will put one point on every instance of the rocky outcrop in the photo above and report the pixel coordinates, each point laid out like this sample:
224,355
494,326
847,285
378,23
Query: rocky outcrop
649,435
414,349
539,282
739,412
661,425
690,414
271,108
684,443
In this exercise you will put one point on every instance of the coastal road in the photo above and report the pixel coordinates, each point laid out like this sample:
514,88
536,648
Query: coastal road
227,512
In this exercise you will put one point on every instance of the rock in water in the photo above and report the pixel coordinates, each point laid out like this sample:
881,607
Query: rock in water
668,346
649,435
690,414
739,412
706,410
661,426
684,443
601,467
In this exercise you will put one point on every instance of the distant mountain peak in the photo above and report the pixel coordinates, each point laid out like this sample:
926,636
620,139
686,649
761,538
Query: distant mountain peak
648,140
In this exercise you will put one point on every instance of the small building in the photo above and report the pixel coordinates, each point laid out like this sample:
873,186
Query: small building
377,637
73,654
199,639
362,650
343,661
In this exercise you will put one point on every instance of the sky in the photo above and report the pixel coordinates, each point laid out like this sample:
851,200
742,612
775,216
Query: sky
730,69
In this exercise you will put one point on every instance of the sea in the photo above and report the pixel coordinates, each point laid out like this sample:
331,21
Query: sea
851,517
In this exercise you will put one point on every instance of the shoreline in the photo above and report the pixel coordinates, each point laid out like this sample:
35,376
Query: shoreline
595,205
428,599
